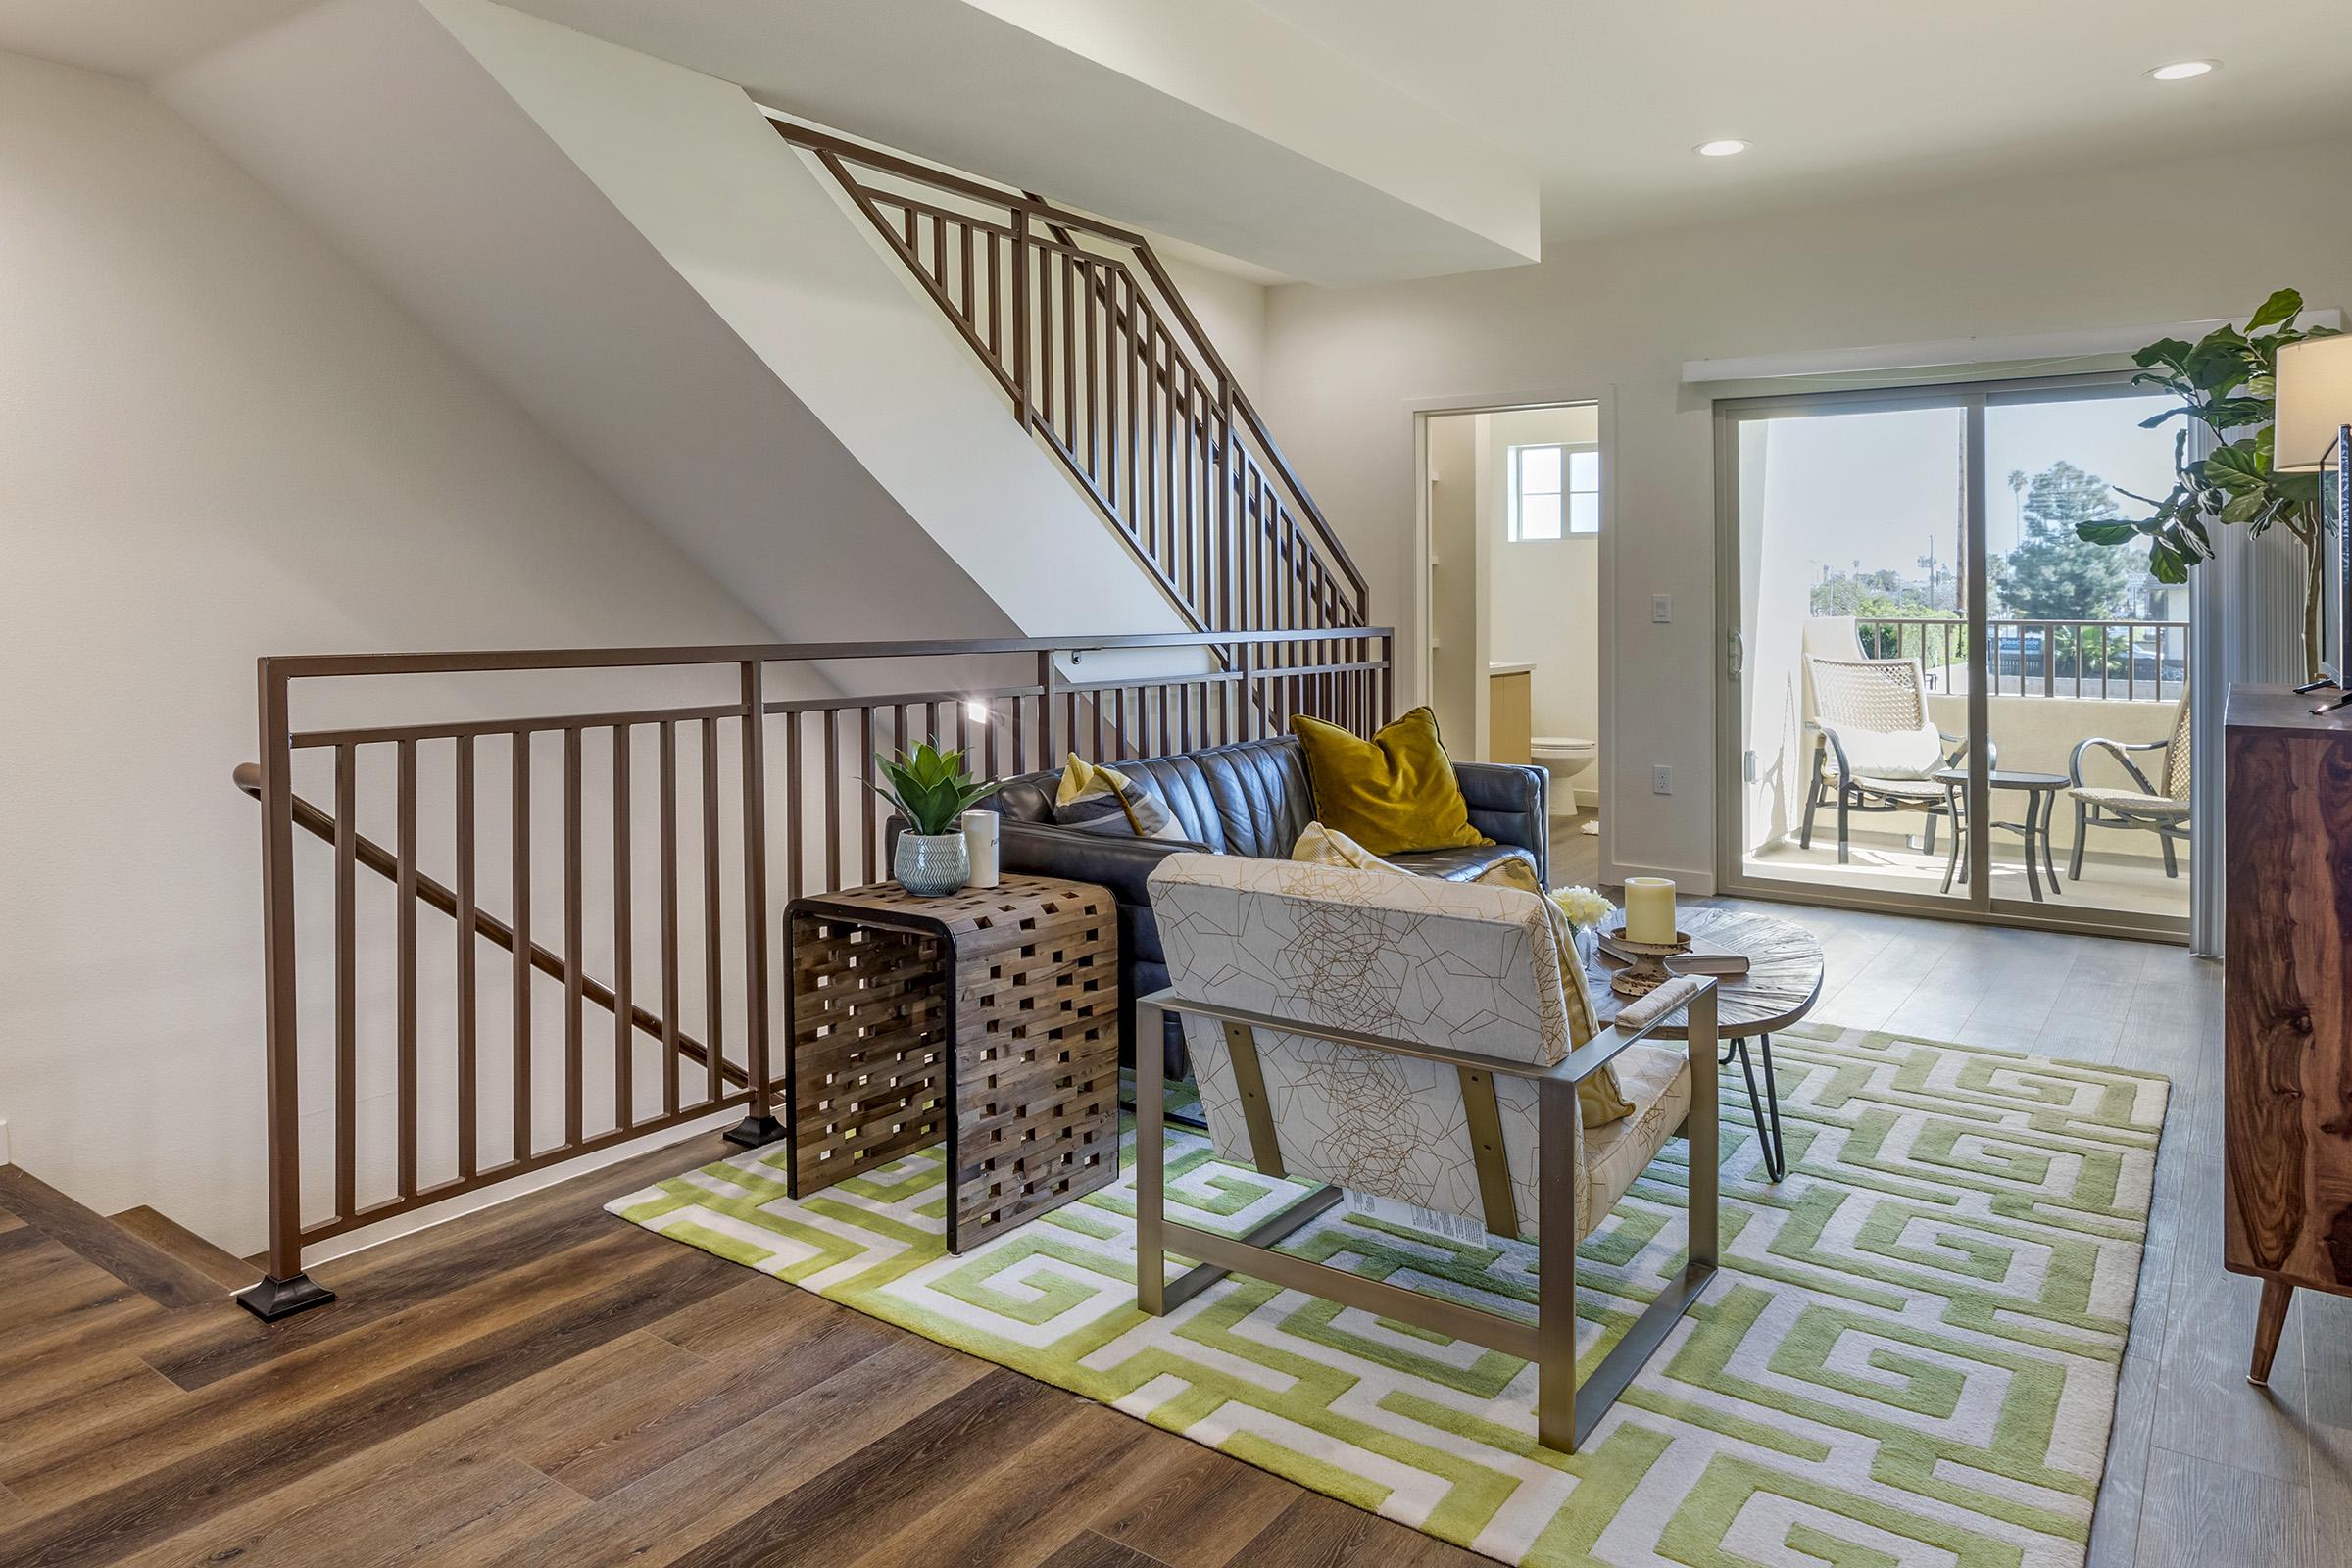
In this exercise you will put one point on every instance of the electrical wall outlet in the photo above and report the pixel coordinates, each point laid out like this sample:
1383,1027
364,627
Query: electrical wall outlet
1661,609
1661,780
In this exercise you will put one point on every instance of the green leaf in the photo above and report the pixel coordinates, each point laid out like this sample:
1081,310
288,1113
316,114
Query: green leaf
2155,420
2166,565
2169,351
2276,310
2227,413
2106,533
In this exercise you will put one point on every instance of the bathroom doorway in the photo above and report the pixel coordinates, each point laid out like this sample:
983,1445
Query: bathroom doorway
1513,518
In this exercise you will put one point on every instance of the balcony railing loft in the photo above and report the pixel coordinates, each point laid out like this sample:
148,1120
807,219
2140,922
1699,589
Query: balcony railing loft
1080,324
2132,660
633,840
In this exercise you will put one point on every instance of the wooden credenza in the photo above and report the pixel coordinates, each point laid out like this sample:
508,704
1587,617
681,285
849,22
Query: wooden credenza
2287,1185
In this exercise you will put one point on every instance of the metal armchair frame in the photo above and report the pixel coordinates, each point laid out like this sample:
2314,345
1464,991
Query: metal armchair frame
2088,815
1565,1413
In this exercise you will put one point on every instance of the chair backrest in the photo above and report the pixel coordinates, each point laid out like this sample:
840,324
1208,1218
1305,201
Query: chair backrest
1887,696
2176,754
1830,637
1452,964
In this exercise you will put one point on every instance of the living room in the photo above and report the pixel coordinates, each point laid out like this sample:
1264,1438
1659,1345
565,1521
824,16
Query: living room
554,1069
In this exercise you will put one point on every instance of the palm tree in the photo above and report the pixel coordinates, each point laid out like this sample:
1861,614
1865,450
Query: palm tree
2017,496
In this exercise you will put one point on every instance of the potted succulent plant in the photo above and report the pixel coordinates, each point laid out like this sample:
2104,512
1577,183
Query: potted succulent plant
931,790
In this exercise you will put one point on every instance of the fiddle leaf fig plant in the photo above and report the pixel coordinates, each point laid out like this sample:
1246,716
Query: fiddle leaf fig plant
2226,382
930,788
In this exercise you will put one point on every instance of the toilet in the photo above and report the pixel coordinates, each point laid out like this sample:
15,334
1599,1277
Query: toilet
1565,756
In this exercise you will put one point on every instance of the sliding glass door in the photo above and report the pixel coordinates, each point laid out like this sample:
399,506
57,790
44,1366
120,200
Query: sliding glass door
1942,696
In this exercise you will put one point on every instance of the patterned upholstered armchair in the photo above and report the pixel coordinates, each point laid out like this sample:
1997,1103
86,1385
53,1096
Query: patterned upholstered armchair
1418,1041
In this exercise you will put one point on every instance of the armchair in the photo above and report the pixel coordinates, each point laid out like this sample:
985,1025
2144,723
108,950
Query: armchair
1418,1041
1875,746
2163,811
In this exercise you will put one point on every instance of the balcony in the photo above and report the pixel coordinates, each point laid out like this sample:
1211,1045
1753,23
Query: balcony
2051,685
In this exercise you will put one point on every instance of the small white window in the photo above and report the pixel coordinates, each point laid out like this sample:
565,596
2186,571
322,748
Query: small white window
1555,491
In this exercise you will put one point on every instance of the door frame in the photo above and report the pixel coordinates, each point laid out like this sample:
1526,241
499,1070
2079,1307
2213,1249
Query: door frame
1603,400
1973,399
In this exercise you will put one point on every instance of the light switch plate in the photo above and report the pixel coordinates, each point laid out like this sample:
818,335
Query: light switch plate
1661,609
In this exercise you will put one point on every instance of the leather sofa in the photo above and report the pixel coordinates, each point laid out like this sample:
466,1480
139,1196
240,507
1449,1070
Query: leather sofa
1251,799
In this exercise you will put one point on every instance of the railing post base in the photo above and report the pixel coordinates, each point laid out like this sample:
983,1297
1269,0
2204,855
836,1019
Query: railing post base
271,1299
753,1131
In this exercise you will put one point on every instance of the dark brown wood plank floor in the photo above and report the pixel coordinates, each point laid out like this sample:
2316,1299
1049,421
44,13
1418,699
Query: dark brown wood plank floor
544,1386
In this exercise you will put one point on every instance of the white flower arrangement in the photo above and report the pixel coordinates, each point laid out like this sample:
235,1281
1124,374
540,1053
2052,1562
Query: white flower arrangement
1585,909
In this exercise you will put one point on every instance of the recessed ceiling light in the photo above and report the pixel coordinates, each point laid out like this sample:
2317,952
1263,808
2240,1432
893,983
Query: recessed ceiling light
2183,70
1720,149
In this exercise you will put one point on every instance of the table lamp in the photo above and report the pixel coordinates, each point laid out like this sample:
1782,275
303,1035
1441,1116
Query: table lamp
2314,422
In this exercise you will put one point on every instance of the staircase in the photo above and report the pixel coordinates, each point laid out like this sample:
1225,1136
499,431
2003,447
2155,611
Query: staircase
142,1250
1108,369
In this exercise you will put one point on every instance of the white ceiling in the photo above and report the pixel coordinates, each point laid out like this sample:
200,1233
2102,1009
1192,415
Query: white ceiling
1841,99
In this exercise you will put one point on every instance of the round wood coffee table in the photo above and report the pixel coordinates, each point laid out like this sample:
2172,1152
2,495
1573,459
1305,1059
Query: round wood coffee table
1781,986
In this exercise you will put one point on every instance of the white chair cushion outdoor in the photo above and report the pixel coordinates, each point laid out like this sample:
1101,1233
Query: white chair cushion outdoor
1912,753
2132,801
1414,959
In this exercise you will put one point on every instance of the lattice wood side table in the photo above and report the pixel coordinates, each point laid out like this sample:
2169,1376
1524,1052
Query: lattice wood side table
987,1019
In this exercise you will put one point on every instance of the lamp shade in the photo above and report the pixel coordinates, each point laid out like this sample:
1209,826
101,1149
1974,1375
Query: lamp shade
2315,402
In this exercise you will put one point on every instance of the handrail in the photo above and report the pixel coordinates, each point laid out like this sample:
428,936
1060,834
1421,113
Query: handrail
1260,552
715,776
2074,657
321,824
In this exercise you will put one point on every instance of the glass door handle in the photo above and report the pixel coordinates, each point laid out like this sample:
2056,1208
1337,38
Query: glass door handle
1735,654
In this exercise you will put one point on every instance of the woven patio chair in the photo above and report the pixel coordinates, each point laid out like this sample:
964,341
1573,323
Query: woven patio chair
1875,749
2160,806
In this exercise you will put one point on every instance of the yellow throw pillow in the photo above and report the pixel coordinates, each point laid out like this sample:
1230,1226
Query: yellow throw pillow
1600,1099
1095,798
1393,794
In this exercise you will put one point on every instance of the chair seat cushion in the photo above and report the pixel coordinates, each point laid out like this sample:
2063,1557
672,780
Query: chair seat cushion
1902,789
1657,1080
2133,802
1911,754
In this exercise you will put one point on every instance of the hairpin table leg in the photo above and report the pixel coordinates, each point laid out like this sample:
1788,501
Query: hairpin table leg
1765,1104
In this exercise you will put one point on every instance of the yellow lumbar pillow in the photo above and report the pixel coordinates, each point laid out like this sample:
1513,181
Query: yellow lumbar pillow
1600,1099
1393,794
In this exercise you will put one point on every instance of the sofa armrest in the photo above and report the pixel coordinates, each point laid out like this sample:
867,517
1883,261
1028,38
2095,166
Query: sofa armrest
1510,805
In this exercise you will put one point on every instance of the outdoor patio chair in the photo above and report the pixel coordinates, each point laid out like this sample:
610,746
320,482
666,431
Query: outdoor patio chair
1419,1043
2159,809
1875,748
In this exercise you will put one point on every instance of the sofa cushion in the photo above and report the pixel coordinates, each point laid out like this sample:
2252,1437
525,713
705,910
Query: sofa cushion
1393,794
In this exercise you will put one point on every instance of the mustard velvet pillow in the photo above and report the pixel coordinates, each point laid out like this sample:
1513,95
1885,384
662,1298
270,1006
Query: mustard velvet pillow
1393,794
1600,1099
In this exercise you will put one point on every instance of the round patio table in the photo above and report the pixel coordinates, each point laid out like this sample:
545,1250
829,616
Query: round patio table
2040,790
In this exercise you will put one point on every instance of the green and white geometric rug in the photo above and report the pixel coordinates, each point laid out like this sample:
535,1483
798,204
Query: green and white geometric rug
1909,1358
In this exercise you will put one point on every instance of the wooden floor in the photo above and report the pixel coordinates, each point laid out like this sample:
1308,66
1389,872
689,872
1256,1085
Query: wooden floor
547,1386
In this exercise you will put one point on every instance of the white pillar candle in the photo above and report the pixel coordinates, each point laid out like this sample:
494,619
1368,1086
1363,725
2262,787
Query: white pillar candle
1650,909
980,845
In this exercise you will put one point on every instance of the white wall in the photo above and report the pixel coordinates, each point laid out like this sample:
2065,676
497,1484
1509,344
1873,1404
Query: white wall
218,441
1544,605
766,239
1616,320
